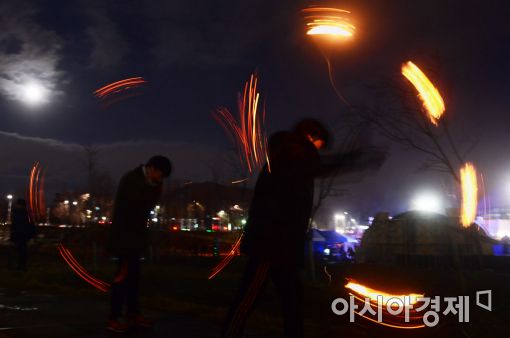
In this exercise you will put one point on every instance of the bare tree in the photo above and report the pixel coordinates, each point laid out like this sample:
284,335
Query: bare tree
90,164
397,114
100,184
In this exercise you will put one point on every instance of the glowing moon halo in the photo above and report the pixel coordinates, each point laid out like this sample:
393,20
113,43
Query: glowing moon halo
34,94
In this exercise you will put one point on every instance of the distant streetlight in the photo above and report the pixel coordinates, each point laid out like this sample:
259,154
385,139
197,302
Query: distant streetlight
9,209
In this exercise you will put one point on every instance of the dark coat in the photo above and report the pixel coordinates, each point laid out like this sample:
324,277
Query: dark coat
282,202
22,229
134,200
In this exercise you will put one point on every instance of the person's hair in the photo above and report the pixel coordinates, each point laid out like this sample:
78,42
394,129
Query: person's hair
160,163
313,128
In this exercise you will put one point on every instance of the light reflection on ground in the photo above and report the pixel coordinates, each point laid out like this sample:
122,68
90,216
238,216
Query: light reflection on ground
17,308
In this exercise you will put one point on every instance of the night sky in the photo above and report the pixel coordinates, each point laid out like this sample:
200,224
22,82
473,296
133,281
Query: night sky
196,56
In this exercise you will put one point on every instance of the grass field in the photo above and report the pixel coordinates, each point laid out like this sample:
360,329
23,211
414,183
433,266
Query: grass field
178,284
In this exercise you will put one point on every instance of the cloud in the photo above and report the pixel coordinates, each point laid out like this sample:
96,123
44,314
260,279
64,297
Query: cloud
109,47
64,163
29,53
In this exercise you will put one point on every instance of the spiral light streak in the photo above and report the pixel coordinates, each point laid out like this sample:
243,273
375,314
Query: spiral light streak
80,271
361,292
330,29
119,86
428,94
372,293
333,23
248,133
35,193
469,185
226,260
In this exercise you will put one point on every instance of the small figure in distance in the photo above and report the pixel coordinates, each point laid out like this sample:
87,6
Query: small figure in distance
22,230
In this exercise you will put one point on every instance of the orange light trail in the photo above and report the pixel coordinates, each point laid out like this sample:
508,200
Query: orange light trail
428,94
80,271
35,192
361,292
329,22
372,293
227,259
469,186
248,133
330,29
119,86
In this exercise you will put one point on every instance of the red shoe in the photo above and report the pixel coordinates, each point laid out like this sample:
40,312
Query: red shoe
141,321
117,326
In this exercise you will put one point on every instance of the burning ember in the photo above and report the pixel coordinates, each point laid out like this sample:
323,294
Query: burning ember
428,94
332,23
469,187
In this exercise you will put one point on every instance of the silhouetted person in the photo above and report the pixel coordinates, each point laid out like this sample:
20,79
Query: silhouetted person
274,236
351,254
22,230
137,194
275,233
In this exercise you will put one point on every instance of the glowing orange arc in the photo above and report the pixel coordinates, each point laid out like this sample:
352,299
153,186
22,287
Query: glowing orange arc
469,186
80,271
225,261
330,22
428,94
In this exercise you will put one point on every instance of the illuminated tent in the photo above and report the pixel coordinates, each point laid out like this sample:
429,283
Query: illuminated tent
421,237
322,239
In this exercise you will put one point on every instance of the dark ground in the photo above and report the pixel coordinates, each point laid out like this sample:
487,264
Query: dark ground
49,300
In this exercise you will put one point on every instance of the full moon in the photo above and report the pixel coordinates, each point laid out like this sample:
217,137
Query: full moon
34,94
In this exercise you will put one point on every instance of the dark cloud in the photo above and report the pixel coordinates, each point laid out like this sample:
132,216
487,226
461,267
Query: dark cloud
109,46
64,162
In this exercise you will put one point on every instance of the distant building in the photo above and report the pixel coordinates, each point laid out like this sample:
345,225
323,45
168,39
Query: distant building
208,206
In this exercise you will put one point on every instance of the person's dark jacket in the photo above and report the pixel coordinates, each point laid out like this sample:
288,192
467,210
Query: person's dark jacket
283,198
282,201
134,200
22,229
